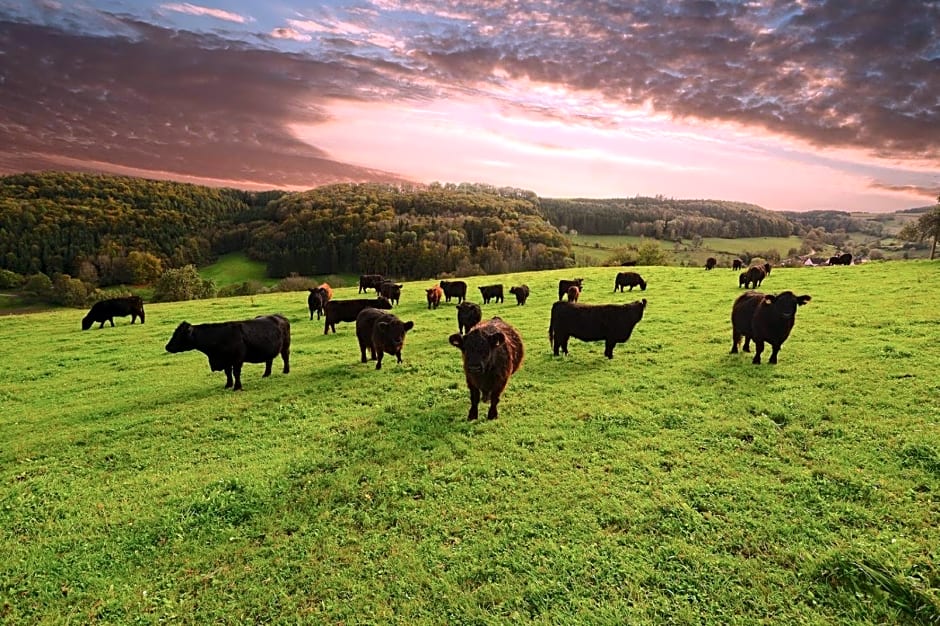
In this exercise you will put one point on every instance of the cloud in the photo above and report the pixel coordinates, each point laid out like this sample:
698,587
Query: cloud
290,33
219,14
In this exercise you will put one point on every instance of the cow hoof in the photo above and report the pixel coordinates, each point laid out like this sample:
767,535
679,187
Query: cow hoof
755,361
378,366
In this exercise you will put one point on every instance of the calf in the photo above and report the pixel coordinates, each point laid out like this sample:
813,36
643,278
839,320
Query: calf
573,293
629,279
468,316
434,294
454,289
381,332
737,264
763,318
390,291
231,344
753,277
742,279
347,310
106,310
710,263
492,292
521,292
611,323
317,300
564,284
370,281
492,352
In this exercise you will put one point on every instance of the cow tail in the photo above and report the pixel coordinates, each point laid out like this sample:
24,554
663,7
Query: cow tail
551,335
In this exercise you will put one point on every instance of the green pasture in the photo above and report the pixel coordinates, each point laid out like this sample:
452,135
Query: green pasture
674,484
599,247
234,268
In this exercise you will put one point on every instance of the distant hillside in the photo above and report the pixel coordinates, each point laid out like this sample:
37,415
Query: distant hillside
663,218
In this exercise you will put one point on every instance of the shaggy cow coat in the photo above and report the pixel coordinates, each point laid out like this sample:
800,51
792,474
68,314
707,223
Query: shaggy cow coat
764,318
492,352
381,332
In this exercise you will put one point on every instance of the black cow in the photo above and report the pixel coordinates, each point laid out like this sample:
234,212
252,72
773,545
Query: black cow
231,344
629,279
316,301
628,264
611,323
468,316
492,352
390,291
710,263
521,292
347,310
742,279
370,281
753,277
564,284
381,332
106,310
454,289
842,259
763,318
492,292
737,264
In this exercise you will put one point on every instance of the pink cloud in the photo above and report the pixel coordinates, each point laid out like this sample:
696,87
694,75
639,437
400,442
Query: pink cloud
193,9
290,33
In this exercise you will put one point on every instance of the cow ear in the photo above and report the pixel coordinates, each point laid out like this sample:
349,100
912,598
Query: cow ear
456,340
801,300
382,325
496,340
409,326
769,298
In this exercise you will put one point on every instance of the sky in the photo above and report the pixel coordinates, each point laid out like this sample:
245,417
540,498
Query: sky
799,105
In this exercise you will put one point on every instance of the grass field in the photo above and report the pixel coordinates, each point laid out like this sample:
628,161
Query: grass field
673,484
596,248
235,268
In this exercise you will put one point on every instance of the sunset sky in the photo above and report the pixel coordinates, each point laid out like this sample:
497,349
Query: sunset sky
817,104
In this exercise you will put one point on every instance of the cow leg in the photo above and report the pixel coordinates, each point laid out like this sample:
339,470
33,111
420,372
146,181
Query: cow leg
747,344
362,353
493,413
609,348
773,355
474,404
758,348
378,359
228,377
285,356
237,373
267,368
735,340
111,319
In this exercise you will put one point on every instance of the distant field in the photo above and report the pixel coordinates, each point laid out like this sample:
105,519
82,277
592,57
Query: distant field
235,268
598,247
673,484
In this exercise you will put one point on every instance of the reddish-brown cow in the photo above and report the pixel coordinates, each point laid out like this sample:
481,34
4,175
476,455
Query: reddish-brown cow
492,352
434,294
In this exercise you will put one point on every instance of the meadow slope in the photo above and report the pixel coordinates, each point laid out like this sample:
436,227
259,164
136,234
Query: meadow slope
675,483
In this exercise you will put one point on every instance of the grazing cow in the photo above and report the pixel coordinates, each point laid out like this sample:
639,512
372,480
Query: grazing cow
753,277
231,344
834,260
710,263
628,264
612,323
390,291
763,318
370,281
492,292
347,310
106,310
454,289
381,332
492,352
742,279
318,298
574,292
629,279
564,284
434,294
842,259
521,292
468,316
737,264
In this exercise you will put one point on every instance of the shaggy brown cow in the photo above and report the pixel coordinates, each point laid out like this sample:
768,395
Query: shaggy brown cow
492,352
434,294
629,279
564,284
231,344
370,281
753,277
381,332
612,323
492,292
737,264
742,279
521,292
710,263
454,289
574,292
468,316
106,310
763,318
391,291
347,310
327,290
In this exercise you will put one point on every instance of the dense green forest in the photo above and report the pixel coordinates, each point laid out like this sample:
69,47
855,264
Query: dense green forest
663,218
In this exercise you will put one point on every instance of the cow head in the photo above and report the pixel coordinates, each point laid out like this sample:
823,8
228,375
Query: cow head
382,303
393,332
182,339
786,303
643,286
87,322
477,348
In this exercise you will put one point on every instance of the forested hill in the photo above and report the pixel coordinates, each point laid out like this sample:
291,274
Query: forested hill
664,218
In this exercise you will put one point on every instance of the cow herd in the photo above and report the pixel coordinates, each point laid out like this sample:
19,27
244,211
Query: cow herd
491,350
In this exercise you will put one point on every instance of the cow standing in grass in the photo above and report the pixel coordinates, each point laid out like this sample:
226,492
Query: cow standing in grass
106,310
347,310
454,289
434,295
231,344
629,279
764,318
564,284
468,316
492,352
521,292
710,263
492,292
610,323
370,281
380,332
